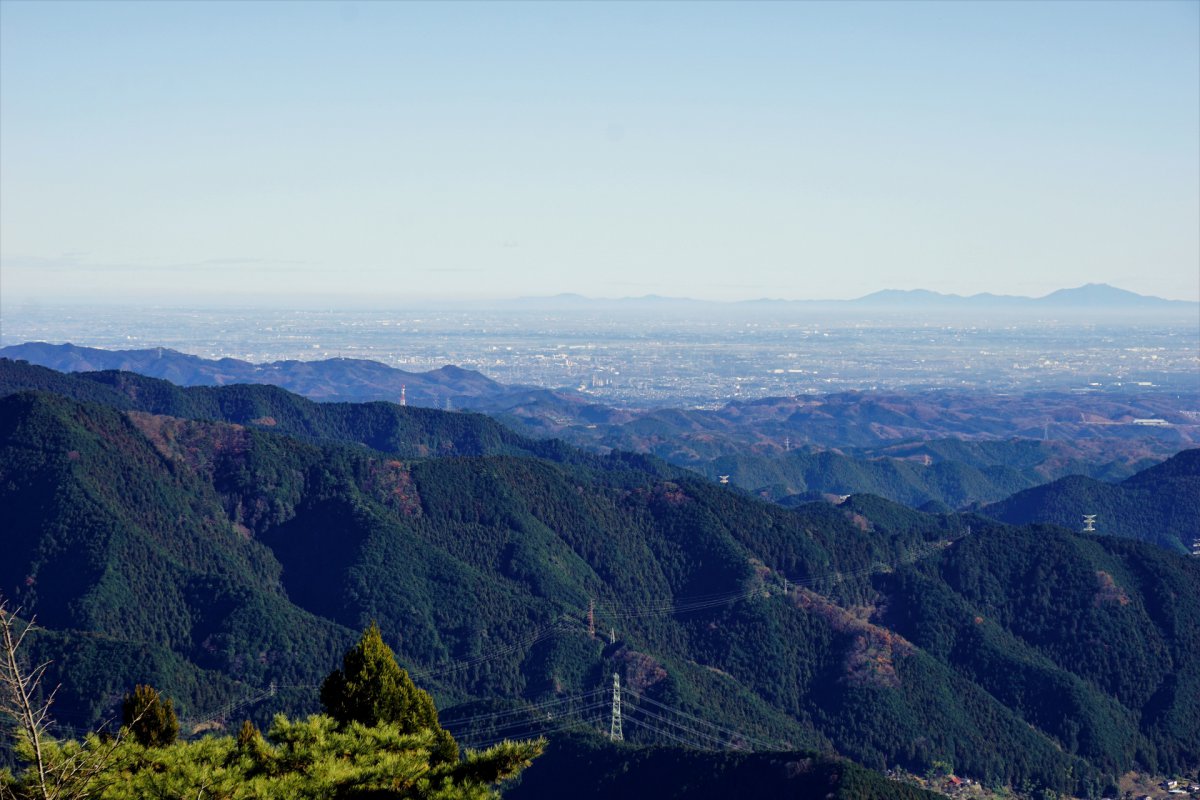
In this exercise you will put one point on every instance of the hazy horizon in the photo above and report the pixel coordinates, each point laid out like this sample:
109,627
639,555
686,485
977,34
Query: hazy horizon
367,302
812,150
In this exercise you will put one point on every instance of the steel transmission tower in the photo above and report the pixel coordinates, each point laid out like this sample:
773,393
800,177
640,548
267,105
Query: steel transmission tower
614,729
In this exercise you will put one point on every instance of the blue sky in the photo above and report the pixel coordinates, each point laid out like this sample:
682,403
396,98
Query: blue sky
400,151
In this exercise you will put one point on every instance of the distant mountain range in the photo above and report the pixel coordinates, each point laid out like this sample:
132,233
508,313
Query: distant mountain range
344,379
1090,297
1090,433
914,463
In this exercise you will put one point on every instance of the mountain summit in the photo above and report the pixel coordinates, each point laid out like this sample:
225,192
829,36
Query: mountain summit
1088,296
1094,295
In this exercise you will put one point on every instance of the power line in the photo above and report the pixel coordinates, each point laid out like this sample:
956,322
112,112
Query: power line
576,725
722,742
227,710
567,623
641,698
573,717
527,725
533,708
669,735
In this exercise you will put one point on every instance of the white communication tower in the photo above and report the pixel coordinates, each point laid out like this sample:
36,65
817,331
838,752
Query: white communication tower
1089,523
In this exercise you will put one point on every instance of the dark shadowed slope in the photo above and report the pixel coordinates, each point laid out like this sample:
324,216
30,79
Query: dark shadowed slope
1160,504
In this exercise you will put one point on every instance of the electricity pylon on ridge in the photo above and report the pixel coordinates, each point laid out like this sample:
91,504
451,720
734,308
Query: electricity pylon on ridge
614,729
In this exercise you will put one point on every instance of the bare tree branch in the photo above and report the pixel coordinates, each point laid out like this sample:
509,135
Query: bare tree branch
66,777
19,689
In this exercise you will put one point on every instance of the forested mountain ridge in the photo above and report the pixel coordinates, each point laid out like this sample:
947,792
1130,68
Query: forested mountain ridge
1160,504
198,554
808,472
944,472
335,378
1091,428
1096,425
407,431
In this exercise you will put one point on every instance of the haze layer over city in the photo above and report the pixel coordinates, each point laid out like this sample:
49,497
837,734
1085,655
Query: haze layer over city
267,181
673,353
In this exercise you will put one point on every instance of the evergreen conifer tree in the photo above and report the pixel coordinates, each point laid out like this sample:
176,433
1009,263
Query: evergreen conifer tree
150,719
371,688
248,735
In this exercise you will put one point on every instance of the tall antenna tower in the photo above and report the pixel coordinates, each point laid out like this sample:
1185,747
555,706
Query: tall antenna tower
1089,523
403,394
614,728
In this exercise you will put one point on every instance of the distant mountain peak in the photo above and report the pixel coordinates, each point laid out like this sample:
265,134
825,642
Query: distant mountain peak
1097,292
1090,295
906,295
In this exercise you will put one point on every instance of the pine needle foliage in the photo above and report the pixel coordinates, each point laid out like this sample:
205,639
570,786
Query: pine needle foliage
312,759
150,718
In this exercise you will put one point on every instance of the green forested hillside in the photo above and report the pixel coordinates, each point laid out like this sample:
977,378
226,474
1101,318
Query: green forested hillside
1160,504
907,481
135,568
947,472
675,773
942,473
1092,431
213,559
404,430
1039,459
